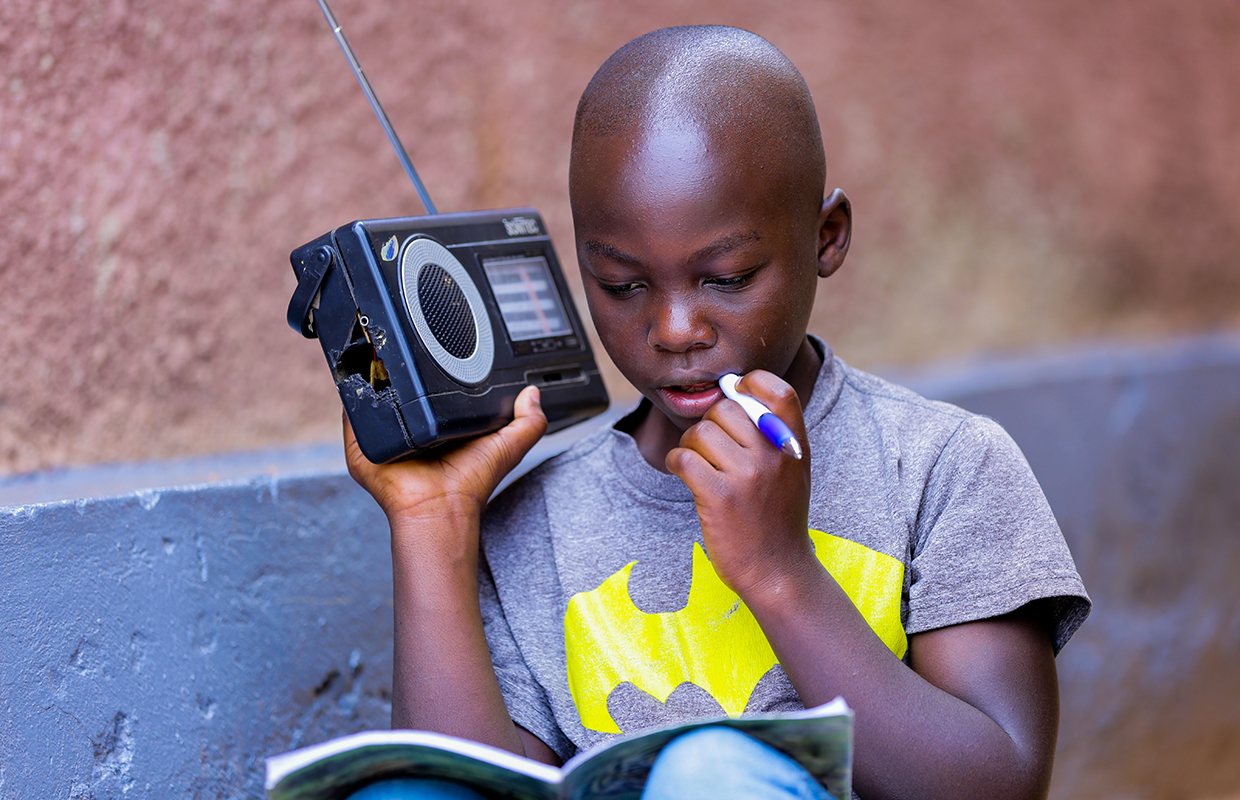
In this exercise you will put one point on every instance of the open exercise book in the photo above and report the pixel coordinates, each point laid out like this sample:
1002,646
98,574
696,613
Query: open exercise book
820,739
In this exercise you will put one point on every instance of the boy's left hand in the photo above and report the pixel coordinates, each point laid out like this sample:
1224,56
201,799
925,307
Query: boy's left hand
752,499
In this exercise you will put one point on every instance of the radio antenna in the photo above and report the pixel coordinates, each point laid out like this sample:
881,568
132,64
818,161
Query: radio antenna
378,109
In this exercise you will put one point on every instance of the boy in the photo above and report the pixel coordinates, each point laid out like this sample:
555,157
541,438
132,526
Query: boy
678,564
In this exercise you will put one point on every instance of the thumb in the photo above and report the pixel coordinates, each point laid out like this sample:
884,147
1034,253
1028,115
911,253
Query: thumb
517,437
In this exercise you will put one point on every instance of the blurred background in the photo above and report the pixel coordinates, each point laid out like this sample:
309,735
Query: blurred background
1046,201
1025,176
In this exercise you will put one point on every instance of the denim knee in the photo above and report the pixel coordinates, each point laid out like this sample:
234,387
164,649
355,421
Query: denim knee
719,763
414,789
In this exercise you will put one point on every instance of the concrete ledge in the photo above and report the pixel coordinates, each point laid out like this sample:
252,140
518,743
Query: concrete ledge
106,480
161,643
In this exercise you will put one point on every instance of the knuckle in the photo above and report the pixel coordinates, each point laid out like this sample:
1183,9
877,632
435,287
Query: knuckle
783,393
696,434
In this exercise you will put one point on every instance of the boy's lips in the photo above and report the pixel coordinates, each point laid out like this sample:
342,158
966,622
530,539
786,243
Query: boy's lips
691,400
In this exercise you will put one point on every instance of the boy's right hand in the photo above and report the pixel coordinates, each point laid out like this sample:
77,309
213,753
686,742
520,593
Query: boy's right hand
442,676
751,498
460,479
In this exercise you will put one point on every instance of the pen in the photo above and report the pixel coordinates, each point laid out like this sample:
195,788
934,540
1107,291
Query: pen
772,427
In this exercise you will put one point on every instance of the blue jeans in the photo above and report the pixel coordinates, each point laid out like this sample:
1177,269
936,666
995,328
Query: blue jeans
706,764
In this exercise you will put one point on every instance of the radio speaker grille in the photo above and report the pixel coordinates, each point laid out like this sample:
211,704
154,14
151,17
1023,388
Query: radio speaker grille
447,311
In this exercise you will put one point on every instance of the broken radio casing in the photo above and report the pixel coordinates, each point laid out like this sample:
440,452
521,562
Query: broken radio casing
432,325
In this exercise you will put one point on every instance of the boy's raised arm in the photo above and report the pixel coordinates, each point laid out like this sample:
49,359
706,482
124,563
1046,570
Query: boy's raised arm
975,716
442,677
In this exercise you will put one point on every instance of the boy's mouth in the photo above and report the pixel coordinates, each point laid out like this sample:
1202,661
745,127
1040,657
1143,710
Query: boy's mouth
690,400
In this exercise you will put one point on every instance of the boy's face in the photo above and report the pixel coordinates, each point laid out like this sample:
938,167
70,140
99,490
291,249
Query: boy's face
697,260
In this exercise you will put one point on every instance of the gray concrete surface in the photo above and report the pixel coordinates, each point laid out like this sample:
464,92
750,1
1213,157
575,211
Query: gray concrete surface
1138,451
161,643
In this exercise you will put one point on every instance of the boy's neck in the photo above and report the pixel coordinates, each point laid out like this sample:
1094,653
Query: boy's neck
656,435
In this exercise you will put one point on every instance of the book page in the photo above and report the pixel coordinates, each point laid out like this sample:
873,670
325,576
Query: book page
819,739
344,765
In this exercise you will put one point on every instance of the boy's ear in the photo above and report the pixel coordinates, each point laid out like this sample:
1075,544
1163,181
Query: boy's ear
834,232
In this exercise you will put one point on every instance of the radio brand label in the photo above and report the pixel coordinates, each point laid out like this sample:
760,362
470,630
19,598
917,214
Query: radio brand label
389,249
521,226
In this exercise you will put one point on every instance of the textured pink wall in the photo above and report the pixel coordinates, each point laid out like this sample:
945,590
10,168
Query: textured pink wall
1023,175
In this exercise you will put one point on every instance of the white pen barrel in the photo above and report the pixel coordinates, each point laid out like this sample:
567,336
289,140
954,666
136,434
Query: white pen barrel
752,407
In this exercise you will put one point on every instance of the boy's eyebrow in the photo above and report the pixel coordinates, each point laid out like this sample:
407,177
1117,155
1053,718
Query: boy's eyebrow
721,245
724,245
598,248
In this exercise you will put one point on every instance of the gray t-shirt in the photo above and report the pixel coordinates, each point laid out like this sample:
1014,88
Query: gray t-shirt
604,616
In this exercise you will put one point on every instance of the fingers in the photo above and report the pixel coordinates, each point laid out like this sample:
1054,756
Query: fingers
517,437
472,467
723,435
726,439
354,459
529,404
529,422
692,467
725,443
777,395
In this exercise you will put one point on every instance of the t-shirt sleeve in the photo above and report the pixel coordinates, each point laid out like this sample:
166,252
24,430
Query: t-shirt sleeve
987,542
525,698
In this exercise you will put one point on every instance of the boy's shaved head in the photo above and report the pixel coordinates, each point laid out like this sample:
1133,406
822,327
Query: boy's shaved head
727,86
696,181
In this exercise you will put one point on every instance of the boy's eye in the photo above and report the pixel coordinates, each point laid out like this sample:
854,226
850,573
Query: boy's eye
620,288
732,281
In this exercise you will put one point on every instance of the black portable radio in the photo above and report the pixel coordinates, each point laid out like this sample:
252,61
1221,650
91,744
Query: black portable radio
432,325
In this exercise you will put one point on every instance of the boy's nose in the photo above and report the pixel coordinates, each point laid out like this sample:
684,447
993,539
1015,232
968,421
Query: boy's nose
680,326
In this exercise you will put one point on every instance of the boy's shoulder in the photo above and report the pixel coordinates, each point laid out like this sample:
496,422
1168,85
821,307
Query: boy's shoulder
886,396
849,396
855,412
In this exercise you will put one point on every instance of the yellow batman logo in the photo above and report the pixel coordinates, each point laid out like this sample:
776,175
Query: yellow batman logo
714,642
